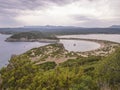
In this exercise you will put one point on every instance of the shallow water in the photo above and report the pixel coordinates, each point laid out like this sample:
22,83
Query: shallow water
79,45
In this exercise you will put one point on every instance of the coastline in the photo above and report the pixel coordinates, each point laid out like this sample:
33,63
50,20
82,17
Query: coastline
63,55
32,40
104,44
106,47
99,51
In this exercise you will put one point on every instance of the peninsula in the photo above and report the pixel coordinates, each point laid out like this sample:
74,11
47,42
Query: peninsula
32,37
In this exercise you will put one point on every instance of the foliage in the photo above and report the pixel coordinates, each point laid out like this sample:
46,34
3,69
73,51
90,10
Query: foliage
18,74
90,73
32,35
47,65
80,61
109,70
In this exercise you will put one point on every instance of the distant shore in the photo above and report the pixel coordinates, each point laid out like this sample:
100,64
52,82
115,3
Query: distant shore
32,40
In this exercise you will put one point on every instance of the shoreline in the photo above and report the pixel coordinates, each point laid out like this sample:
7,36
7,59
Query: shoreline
103,43
106,47
33,40
101,51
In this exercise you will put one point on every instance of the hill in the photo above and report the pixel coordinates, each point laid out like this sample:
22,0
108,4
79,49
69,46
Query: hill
115,26
79,73
31,36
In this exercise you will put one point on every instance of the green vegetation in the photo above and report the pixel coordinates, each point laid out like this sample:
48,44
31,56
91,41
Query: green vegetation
109,71
80,61
31,36
47,65
45,53
82,73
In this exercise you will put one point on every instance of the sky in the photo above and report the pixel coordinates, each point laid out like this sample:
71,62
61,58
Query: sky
81,13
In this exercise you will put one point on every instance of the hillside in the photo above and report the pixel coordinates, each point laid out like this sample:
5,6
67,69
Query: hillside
31,36
25,72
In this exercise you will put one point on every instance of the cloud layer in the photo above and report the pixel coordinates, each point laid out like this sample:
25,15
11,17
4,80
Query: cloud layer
88,13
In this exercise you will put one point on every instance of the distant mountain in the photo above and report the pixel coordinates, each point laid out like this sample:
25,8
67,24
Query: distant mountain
50,27
115,26
63,30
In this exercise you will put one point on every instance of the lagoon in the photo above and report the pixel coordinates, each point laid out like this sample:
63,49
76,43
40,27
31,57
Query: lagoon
79,45
10,48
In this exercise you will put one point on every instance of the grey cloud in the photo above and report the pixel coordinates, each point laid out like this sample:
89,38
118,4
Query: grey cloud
88,21
13,6
9,9
29,4
8,21
115,6
82,17
18,4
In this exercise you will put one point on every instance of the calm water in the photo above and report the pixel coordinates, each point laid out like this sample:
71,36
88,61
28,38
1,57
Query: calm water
109,37
79,45
9,48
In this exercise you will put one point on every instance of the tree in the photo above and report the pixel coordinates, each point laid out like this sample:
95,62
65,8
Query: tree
109,70
18,74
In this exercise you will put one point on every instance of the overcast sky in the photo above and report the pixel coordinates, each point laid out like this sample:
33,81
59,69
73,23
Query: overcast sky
87,13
